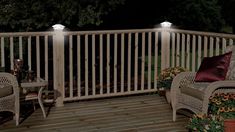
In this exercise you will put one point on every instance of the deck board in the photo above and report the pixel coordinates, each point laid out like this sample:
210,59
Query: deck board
141,113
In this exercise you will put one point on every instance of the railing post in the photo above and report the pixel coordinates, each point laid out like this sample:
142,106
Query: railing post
58,64
165,45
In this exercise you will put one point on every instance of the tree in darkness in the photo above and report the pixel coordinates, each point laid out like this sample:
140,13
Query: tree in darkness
29,15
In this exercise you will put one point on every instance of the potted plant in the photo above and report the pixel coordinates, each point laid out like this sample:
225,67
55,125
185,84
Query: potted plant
221,115
165,79
206,123
224,105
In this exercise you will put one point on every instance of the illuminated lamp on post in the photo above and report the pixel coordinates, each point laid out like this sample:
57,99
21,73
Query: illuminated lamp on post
165,47
58,64
58,27
166,24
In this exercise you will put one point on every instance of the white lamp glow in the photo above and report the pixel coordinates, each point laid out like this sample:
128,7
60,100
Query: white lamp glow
166,24
58,27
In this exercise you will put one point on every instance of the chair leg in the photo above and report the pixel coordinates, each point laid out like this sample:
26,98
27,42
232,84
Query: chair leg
17,118
17,112
174,115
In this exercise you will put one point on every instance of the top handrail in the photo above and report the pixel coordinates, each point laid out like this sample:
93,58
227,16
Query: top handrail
172,30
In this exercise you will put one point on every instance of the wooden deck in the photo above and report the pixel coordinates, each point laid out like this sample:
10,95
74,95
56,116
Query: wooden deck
141,113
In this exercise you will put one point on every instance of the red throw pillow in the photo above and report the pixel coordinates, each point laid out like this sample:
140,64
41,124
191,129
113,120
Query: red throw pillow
213,68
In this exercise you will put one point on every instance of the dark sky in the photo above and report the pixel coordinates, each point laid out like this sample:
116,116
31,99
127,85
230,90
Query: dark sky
136,14
149,13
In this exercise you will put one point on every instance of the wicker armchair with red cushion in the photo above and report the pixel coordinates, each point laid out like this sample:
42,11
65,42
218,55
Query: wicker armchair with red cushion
192,90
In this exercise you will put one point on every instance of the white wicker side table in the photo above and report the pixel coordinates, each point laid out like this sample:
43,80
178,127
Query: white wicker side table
38,84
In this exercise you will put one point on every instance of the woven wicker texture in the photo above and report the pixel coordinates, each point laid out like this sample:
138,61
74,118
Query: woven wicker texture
10,102
180,100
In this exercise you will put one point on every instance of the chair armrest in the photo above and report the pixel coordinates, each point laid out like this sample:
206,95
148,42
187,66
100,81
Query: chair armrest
220,84
226,86
181,80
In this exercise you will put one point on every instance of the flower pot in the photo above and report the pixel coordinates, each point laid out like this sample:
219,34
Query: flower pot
229,125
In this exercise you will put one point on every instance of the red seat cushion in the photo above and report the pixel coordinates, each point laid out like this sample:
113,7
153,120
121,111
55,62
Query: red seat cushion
213,68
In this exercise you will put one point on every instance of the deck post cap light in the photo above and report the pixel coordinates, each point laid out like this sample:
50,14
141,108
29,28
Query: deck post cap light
166,24
58,27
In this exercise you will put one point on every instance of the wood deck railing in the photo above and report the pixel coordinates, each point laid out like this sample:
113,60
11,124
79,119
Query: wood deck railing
93,64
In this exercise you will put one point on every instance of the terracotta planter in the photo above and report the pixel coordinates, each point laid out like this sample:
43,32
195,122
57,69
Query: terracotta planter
229,125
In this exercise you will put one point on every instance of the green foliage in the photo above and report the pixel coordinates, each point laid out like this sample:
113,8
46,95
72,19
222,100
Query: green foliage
221,106
28,15
167,75
196,14
228,12
204,123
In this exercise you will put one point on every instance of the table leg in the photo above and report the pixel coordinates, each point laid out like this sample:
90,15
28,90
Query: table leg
41,102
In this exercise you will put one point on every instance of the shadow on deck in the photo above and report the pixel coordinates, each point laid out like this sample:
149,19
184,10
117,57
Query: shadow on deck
148,113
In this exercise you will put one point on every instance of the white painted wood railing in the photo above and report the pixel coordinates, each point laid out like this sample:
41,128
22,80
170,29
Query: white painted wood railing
110,63
93,64
28,46
187,48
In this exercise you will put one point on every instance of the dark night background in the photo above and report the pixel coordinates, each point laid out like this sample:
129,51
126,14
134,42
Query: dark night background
184,14
137,14
34,15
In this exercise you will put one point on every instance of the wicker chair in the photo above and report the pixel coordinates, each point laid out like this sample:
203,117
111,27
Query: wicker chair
9,98
194,96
